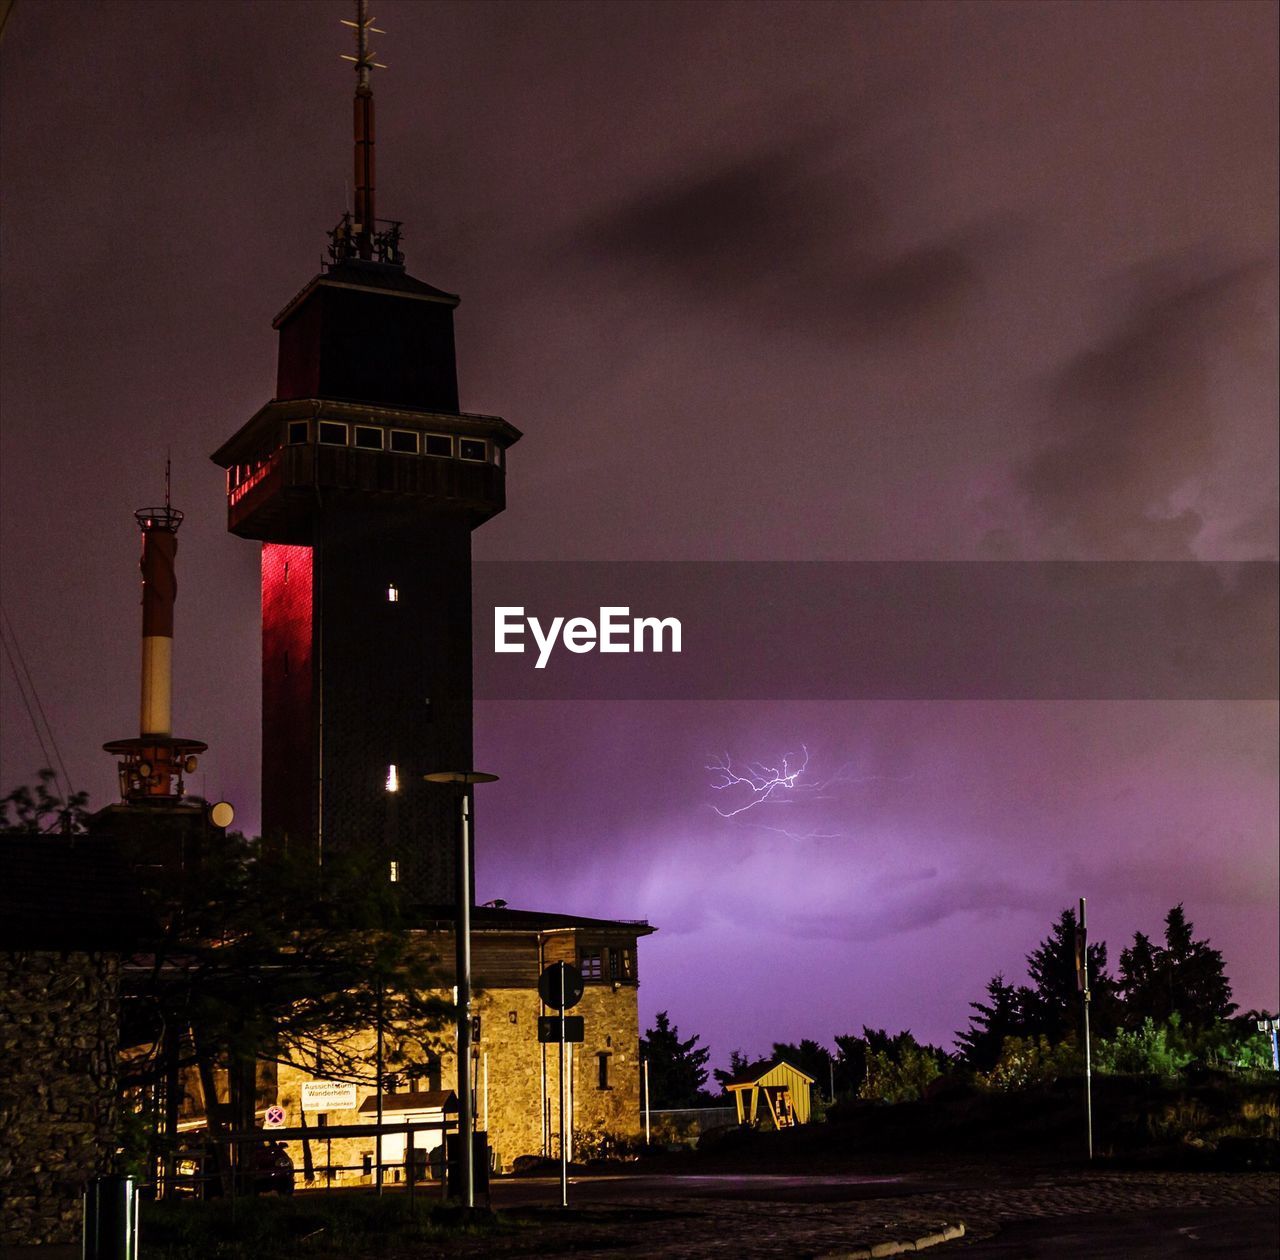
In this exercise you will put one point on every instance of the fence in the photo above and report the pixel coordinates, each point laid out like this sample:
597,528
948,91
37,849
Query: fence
683,1126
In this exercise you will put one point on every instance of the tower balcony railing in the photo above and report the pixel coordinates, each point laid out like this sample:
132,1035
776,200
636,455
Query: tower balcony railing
276,498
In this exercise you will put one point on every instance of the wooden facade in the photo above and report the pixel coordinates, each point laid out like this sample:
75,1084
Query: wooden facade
774,1093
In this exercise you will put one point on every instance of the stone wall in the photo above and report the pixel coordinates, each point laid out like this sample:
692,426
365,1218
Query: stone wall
515,1081
59,1021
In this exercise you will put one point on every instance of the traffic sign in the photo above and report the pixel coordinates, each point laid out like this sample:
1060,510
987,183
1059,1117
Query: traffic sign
560,981
274,1119
549,1028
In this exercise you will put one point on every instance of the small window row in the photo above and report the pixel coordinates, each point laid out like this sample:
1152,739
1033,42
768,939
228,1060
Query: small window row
372,437
601,963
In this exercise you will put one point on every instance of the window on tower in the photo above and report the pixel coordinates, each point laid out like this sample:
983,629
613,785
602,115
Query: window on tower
299,432
404,442
438,444
332,433
622,966
591,962
474,449
368,438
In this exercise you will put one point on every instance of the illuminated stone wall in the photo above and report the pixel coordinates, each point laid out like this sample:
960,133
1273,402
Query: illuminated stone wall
509,1082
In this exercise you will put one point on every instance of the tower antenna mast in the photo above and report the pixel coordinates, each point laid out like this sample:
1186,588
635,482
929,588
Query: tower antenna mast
365,225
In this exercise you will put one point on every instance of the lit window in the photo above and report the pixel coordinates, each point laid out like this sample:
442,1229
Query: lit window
404,442
393,779
395,872
299,432
368,438
591,964
332,433
621,964
438,444
393,594
470,448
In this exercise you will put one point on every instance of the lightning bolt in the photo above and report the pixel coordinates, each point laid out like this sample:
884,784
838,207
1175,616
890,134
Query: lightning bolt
766,782
788,783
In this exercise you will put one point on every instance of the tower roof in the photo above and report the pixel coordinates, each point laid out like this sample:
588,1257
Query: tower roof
353,273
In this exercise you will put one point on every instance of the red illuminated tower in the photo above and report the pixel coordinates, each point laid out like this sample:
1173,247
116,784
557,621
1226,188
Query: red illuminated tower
363,480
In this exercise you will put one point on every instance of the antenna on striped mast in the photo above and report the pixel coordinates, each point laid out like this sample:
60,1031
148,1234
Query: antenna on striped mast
357,236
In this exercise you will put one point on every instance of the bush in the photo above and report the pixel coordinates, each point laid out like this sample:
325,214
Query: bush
1151,1049
900,1078
1029,1061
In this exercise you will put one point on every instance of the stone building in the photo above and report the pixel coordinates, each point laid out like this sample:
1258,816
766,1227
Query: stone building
514,1076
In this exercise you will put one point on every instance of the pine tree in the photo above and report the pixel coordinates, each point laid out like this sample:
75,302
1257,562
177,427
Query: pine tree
1053,1007
1003,1016
1184,976
677,1069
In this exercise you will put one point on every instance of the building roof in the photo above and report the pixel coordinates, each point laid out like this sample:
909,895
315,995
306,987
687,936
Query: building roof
757,1071
507,919
356,274
412,1100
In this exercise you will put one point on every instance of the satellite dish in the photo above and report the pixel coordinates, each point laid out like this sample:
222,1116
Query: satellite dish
222,815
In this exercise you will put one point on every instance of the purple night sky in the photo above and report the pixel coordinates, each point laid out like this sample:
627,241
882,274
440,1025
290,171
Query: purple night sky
758,282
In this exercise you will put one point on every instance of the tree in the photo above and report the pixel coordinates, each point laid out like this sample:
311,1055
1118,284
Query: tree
891,1068
677,1069
42,809
1184,976
811,1058
993,1023
739,1062
258,957
1053,1003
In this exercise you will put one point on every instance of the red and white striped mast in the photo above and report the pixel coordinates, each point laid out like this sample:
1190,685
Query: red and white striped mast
152,765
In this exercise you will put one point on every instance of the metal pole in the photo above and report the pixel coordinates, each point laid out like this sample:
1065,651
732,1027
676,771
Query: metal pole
1088,1058
645,1063
564,1150
465,1117
377,1085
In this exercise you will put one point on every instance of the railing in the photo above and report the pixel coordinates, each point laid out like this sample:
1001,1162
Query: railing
244,1176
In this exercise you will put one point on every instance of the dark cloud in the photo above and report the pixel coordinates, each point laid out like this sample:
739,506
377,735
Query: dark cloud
787,235
923,908
1133,421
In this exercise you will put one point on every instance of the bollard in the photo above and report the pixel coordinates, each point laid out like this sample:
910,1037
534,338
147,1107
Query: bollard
111,1219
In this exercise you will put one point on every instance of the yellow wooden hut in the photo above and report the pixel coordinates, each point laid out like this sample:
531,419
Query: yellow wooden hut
783,1089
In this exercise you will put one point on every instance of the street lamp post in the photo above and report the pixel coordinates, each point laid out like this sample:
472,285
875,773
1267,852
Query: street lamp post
464,779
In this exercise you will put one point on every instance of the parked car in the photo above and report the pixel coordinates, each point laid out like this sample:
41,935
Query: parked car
270,1169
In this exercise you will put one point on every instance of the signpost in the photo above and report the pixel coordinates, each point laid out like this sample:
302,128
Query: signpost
1082,983
561,986
549,1028
463,781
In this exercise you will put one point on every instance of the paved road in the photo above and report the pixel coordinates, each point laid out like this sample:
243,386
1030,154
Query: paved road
1082,1214
1242,1233
512,1192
